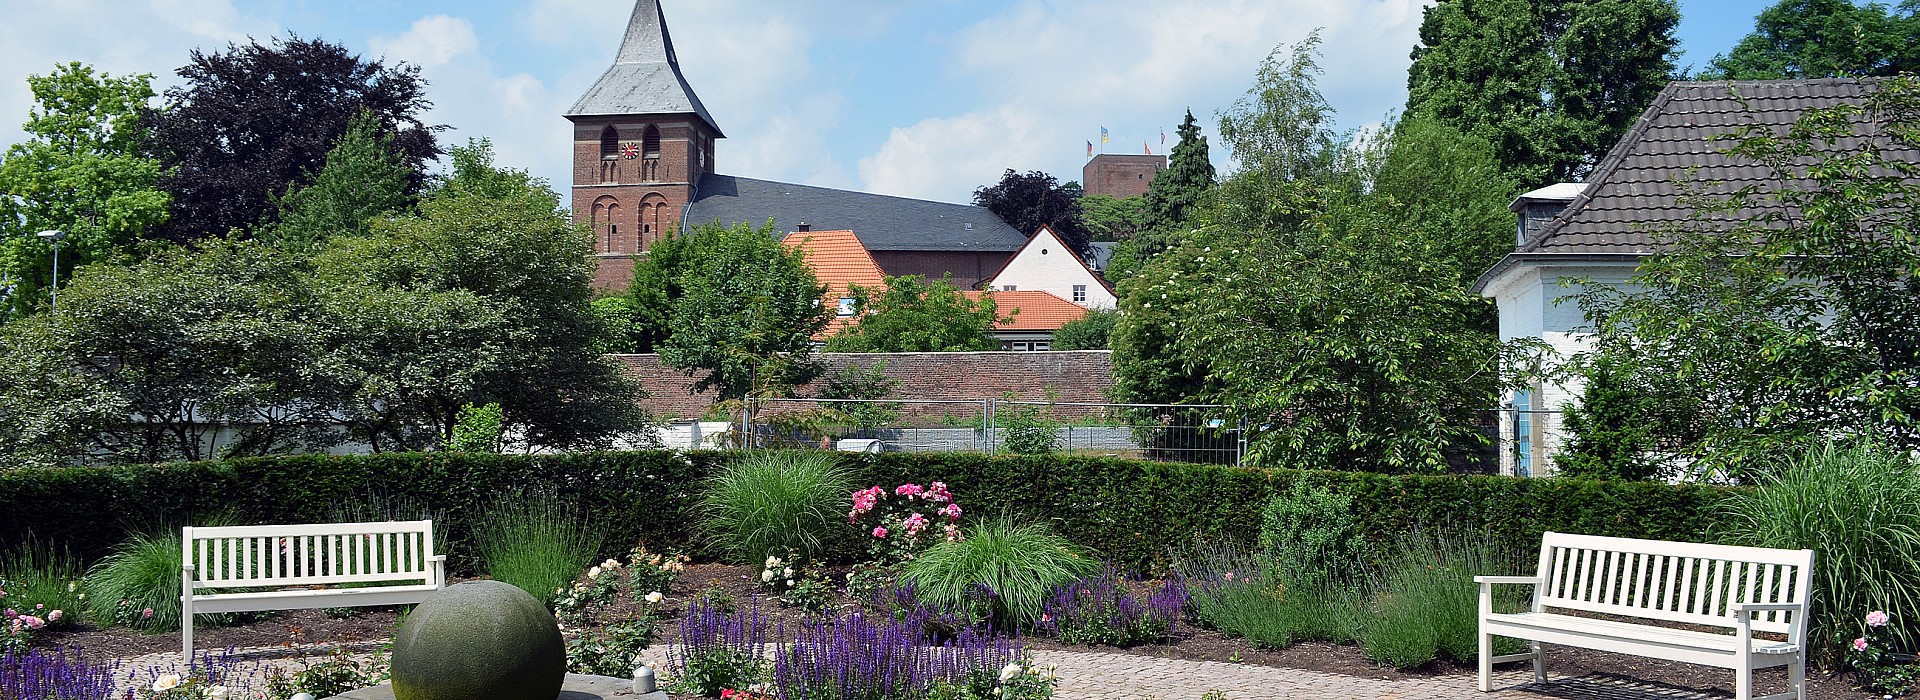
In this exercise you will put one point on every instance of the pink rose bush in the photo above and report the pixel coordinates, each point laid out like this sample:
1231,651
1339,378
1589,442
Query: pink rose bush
903,519
22,617
1875,665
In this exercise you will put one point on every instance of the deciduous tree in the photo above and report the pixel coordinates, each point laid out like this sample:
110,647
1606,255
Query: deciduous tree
80,172
1027,202
747,314
1822,39
912,314
258,119
364,179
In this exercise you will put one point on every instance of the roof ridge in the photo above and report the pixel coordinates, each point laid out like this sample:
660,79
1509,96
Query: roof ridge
869,194
1615,155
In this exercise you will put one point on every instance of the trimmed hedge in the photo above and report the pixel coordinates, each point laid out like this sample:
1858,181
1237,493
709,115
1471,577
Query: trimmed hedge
1133,512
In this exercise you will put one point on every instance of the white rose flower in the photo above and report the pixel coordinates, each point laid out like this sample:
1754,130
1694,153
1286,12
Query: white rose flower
593,572
217,692
766,576
166,682
788,573
772,561
610,564
789,583
654,597
1007,674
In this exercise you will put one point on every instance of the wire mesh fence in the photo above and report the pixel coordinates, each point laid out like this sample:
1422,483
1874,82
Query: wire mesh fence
1184,433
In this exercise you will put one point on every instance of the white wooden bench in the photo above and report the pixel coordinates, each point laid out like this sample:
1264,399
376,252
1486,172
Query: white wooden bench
1660,585
286,567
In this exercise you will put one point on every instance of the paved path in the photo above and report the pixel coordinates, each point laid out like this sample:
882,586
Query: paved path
1110,676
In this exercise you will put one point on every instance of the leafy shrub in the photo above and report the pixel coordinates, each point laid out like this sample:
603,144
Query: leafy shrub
1001,570
1309,533
612,650
339,673
1611,429
653,571
1876,667
477,429
55,673
1089,332
1028,430
1858,507
589,593
1426,605
718,650
897,525
1099,609
774,502
537,542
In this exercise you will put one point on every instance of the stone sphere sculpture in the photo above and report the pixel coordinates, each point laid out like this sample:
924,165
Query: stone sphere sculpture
480,640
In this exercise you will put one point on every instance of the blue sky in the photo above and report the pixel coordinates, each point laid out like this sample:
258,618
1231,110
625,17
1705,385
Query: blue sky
923,98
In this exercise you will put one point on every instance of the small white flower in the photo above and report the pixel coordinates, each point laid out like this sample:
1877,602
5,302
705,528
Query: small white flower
772,561
72,585
789,583
166,682
610,564
593,572
766,576
788,573
1007,674
216,692
654,597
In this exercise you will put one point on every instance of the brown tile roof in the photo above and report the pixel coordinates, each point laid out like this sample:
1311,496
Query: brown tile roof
838,260
1678,148
1039,311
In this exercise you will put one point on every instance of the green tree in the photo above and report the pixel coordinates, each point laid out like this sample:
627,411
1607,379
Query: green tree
478,430
500,236
1611,429
658,284
1109,218
1170,203
747,315
912,314
865,385
1552,84
1766,333
619,323
364,179
1823,38
1089,332
80,172
149,362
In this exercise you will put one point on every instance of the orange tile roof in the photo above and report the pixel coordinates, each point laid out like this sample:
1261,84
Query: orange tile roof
1039,311
838,260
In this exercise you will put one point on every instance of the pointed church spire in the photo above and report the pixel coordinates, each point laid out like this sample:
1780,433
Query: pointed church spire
645,77
647,38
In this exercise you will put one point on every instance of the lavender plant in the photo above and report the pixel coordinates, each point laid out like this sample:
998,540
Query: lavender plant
55,673
1099,609
859,656
718,650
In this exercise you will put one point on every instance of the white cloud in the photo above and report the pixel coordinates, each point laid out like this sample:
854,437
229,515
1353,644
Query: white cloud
945,158
431,42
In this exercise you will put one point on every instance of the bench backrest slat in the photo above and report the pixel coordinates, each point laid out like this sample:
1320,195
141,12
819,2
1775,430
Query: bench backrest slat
300,555
1673,581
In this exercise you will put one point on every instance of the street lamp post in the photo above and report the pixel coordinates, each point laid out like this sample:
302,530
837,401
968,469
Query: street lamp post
55,236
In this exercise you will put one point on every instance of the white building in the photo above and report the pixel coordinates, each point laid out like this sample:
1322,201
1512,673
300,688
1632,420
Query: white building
1047,264
1597,232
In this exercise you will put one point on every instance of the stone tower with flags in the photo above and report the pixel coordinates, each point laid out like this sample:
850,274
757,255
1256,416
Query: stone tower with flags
641,142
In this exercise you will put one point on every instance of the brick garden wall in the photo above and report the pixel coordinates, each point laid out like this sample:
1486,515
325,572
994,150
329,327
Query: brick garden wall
1074,376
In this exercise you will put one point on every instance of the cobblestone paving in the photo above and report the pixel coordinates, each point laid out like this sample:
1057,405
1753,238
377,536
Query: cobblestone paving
1106,676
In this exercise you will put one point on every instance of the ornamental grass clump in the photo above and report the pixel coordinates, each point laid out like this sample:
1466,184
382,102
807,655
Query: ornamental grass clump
536,542
1001,572
55,673
1100,609
138,584
1426,605
770,503
1857,505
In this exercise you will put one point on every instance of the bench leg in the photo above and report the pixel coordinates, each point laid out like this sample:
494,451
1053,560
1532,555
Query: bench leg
1539,663
1486,662
1797,676
1743,679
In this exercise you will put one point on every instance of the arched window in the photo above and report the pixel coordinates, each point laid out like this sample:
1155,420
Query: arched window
609,144
650,143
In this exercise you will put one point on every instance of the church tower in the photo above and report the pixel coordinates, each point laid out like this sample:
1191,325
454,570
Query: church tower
641,141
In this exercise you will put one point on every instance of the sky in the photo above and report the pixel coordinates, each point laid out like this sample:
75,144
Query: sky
917,98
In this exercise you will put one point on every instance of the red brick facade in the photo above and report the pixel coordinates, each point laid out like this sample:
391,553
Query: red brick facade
968,268
1120,176
1074,377
632,177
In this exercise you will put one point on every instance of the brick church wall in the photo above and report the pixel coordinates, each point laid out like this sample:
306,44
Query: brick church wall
1081,376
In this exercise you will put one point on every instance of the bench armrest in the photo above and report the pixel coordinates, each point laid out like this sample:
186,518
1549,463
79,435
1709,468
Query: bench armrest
1516,580
1744,608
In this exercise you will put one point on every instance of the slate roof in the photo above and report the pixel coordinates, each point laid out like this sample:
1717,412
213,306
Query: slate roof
1101,254
885,223
645,77
1677,144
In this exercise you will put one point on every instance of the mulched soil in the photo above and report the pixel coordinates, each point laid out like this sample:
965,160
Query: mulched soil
741,583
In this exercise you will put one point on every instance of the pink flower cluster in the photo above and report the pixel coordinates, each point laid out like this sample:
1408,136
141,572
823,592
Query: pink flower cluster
19,622
900,513
1878,618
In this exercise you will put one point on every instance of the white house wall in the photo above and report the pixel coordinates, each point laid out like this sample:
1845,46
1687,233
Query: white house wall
1533,303
1046,265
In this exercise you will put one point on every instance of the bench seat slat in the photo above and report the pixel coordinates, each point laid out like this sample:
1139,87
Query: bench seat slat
1706,641
300,600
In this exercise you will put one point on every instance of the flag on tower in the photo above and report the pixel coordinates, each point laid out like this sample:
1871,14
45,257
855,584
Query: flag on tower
1144,146
1089,149
1103,134
1163,136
